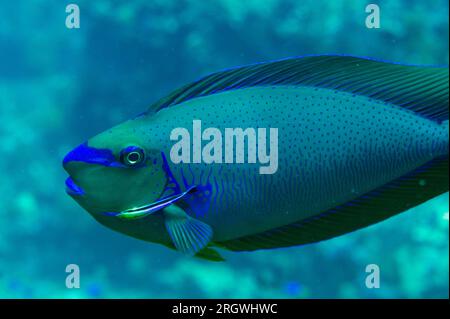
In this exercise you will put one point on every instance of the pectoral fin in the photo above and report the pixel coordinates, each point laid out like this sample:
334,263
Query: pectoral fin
188,234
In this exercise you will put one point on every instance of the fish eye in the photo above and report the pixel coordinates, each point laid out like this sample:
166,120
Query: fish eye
132,156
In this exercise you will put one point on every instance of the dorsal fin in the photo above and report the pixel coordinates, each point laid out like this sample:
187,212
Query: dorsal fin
421,89
424,183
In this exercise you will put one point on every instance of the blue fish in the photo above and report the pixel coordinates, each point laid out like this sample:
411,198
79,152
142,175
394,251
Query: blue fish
355,141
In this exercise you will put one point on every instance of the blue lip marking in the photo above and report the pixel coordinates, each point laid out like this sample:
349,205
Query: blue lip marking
72,188
91,155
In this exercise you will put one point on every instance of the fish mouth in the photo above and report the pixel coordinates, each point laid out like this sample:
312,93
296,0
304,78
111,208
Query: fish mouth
72,188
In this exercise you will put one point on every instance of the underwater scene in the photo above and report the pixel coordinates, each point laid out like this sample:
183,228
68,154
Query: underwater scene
114,216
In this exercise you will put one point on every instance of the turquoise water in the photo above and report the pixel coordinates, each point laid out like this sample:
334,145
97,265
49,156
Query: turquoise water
60,86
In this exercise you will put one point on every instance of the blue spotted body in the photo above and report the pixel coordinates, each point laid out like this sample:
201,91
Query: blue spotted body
358,141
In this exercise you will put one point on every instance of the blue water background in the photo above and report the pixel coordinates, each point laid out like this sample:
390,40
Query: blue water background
60,86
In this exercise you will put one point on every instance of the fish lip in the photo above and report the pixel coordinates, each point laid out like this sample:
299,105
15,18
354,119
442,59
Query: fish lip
72,188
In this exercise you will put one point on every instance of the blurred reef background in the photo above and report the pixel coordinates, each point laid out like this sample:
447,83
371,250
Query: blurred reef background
60,86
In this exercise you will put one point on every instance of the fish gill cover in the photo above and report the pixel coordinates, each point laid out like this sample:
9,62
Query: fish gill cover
60,86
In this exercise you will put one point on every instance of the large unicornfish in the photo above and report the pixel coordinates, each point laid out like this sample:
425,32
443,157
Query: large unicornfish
357,141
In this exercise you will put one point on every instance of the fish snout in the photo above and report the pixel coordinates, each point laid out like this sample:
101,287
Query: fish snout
73,156
90,155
